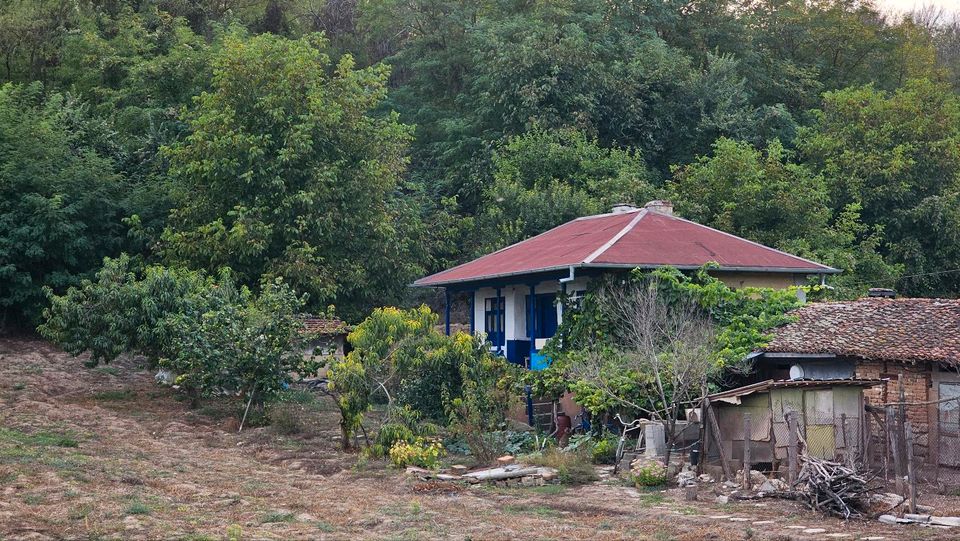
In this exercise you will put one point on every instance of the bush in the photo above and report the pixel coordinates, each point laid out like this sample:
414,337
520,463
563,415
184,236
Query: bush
419,453
573,467
649,473
605,450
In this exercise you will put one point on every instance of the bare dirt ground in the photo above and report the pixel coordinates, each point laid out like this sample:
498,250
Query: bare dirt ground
106,454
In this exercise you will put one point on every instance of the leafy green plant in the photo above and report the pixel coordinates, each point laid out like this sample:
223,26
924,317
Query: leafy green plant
573,467
649,473
605,450
421,453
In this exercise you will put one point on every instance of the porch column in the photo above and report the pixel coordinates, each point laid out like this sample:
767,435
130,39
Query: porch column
532,327
473,312
446,310
498,323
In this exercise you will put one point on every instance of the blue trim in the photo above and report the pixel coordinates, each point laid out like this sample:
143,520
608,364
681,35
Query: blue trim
492,322
473,313
447,311
532,321
501,316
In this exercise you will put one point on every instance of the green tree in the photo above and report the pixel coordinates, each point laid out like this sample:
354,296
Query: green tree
896,155
545,178
59,201
214,335
289,172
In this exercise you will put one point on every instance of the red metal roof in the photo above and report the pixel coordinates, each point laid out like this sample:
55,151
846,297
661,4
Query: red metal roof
637,238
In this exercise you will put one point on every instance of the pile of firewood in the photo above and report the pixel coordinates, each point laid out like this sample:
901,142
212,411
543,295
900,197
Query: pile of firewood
833,488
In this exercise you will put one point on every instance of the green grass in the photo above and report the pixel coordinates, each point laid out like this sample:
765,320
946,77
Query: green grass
137,508
33,499
37,439
109,370
539,510
325,527
276,516
650,499
548,489
123,394
19,386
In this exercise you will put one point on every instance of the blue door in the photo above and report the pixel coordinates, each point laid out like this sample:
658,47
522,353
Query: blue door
546,315
493,315
544,325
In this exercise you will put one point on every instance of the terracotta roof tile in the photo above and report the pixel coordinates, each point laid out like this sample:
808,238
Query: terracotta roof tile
906,329
324,325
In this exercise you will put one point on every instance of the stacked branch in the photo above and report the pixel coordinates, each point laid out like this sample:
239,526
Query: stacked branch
833,488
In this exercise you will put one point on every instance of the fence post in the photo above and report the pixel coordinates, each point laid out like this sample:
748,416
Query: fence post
893,429
792,444
747,434
718,439
843,437
867,437
911,476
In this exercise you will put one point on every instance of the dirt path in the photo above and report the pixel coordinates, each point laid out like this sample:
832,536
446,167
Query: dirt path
106,454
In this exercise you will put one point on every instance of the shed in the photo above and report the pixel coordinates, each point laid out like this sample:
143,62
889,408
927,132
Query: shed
830,416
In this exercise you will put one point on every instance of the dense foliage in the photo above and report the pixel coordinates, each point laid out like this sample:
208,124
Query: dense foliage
348,146
216,337
400,359
600,361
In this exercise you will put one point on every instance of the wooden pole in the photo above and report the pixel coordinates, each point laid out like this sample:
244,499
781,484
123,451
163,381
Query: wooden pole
866,438
911,477
843,436
704,444
717,439
792,450
747,435
894,428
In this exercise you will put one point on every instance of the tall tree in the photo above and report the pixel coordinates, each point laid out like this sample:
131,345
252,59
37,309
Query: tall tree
289,172
897,156
59,210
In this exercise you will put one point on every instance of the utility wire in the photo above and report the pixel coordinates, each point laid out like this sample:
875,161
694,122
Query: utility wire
897,279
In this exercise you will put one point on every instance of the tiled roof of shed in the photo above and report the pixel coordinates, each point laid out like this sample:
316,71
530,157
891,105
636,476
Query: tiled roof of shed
907,329
636,238
324,325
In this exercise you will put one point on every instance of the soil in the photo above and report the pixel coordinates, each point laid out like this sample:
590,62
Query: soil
106,453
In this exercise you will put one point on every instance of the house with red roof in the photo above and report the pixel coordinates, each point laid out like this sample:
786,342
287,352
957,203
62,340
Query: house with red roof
513,291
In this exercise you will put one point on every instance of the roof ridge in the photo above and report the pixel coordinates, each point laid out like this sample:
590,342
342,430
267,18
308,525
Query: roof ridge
484,256
781,252
619,235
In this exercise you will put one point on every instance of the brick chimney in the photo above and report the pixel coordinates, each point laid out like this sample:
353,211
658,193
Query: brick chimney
660,205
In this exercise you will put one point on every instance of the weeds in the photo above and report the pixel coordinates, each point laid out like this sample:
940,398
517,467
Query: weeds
573,468
108,370
277,516
137,508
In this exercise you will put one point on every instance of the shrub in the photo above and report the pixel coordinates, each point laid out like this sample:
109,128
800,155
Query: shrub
605,450
419,453
573,467
649,473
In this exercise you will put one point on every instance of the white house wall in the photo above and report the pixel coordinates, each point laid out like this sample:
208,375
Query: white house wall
515,309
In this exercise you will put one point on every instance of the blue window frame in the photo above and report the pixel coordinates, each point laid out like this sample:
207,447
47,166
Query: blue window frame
545,310
493,316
